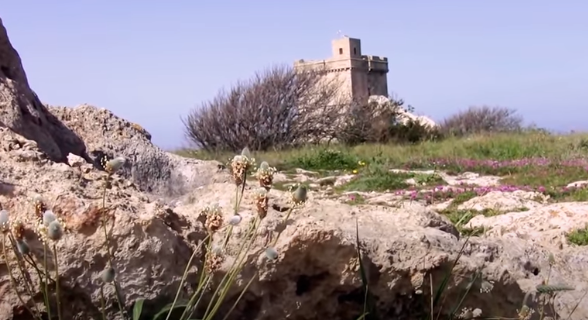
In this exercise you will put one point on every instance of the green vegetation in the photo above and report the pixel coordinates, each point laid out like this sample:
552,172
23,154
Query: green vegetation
578,237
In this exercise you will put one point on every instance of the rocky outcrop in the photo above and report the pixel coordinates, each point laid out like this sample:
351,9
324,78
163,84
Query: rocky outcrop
315,274
150,168
22,111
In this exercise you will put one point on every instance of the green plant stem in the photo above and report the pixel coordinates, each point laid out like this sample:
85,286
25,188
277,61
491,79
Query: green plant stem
228,275
12,279
285,220
195,306
240,296
102,302
227,237
201,283
32,262
107,243
57,293
184,276
46,280
239,195
24,273
239,191
233,272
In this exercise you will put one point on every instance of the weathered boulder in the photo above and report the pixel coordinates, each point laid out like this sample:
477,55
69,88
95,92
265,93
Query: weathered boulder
152,169
22,111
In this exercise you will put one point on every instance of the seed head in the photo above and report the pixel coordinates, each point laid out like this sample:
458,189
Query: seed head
525,313
55,231
214,261
271,253
246,153
300,194
214,218
37,198
108,275
261,202
265,175
240,165
18,230
39,204
22,247
235,220
4,220
48,217
114,165
551,259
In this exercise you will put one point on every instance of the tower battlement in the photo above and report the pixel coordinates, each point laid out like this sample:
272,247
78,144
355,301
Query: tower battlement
361,75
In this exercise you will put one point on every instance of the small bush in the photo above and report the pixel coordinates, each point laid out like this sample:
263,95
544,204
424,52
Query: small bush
483,119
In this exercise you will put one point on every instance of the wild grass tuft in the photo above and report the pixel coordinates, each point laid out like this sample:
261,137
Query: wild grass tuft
214,246
578,237
49,229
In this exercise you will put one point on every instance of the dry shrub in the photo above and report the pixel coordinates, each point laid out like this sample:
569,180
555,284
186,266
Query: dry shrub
483,119
266,112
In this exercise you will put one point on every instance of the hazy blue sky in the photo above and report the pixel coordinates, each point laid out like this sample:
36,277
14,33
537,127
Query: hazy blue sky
153,61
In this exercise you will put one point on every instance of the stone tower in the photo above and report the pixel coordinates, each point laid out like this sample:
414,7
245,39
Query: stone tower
361,75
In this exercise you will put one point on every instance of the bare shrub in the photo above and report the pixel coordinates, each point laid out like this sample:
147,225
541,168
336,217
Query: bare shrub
275,109
481,120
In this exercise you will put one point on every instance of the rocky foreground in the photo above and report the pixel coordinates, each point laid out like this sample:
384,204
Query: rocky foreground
156,199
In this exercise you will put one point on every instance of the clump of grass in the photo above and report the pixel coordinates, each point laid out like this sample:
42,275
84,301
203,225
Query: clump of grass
460,218
461,198
49,231
325,159
241,166
423,179
377,178
579,236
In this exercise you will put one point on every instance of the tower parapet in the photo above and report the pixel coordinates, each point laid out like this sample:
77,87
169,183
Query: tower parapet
361,75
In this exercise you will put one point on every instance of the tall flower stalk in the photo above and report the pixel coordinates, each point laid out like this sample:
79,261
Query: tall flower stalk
111,167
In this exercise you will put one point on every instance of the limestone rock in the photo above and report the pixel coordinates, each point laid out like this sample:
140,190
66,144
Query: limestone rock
22,111
518,200
152,169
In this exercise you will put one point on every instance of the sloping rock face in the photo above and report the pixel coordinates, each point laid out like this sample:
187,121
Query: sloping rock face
150,168
22,111
147,249
316,273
